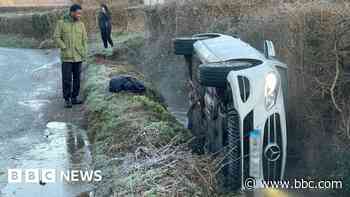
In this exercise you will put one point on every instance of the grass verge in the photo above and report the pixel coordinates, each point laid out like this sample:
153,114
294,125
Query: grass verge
16,41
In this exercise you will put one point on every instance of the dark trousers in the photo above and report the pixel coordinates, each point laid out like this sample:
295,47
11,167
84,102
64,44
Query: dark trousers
106,38
71,79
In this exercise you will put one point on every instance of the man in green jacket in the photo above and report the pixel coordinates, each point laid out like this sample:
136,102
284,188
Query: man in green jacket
71,37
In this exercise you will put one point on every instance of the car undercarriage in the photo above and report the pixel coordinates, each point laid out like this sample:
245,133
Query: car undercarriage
237,106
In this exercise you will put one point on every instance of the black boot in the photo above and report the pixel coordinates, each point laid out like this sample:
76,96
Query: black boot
67,104
76,101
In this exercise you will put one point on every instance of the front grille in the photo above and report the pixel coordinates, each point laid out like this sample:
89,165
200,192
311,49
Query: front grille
272,165
248,126
244,88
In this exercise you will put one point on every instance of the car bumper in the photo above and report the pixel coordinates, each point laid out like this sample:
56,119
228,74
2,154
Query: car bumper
263,131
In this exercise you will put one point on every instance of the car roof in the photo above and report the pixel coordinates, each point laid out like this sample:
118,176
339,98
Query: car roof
222,48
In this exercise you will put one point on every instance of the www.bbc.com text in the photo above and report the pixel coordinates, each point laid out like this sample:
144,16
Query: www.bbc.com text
251,183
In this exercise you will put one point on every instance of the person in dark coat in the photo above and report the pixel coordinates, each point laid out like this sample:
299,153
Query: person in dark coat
104,22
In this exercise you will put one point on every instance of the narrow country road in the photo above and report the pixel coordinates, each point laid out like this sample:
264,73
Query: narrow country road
35,131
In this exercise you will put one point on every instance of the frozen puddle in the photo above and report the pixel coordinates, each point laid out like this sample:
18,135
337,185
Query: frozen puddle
30,84
57,125
64,149
47,66
180,114
35,105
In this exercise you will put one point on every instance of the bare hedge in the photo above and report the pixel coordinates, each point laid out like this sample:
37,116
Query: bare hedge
40,24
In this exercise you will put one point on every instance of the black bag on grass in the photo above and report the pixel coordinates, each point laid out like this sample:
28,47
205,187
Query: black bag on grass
126,83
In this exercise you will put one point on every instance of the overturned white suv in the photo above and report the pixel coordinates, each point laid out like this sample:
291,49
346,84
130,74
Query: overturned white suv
237,105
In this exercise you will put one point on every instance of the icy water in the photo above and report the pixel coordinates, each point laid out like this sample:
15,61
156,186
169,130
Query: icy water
35,131
180,113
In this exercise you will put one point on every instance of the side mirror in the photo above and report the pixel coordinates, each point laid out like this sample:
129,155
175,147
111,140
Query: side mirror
269,49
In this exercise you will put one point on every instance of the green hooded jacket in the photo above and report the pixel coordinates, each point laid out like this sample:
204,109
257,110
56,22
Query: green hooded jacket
71,37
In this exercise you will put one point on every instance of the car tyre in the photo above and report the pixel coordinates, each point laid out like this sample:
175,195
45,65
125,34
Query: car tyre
184,45
232,135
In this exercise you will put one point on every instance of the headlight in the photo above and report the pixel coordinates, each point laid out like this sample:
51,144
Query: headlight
272,84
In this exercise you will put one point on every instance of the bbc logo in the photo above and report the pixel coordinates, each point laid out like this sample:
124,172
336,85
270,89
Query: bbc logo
31,175
51,175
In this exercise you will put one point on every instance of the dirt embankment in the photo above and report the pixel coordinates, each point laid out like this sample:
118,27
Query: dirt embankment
311,37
